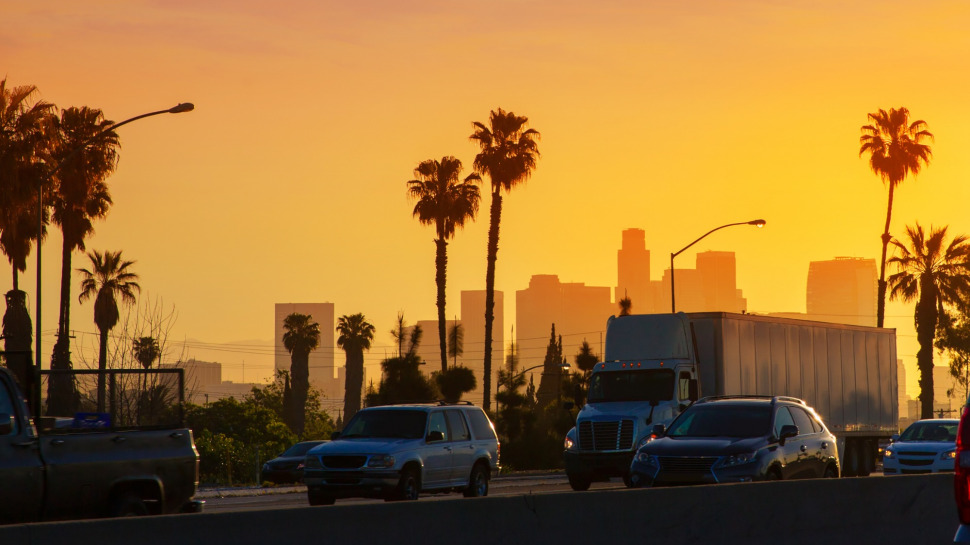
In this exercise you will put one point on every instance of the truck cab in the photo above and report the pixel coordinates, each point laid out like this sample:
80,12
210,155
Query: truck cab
647,377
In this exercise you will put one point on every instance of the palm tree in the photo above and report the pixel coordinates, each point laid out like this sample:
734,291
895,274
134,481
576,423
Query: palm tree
22,138
446,203
146,351
936,275
508,155
109,278
80,196
355,335
896,149
300,337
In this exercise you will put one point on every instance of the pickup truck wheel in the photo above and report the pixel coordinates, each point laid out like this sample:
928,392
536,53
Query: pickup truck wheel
409,486
578,482
320,499
128,505
478,483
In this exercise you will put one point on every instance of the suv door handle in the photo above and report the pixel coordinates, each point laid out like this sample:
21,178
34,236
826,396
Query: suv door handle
825,444
804,448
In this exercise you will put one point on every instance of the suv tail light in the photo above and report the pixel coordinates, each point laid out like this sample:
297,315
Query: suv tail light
961,477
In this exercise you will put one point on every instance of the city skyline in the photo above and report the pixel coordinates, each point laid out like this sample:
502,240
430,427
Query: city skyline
297,141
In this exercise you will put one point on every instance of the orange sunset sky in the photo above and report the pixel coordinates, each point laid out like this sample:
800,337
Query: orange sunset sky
287,183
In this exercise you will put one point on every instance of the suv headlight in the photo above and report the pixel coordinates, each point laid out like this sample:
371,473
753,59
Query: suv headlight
949,455
738,459
648,460
646,439
568,443
381,460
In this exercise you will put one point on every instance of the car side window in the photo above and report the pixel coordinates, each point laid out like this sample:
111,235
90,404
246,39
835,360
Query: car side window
6,404
437,422
481,427
683,386
802,420
459,431
782,418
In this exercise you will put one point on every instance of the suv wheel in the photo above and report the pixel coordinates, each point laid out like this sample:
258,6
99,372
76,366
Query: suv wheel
478,483
579,482
409,486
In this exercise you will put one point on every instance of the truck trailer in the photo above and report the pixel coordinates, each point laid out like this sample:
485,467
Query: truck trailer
655,365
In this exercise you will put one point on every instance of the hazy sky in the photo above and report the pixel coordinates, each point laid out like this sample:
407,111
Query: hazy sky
287,183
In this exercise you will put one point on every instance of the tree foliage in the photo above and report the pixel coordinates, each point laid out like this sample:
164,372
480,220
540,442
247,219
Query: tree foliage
403,382
455,381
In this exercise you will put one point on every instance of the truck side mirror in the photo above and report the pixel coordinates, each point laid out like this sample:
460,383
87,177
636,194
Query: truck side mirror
6,423
692,389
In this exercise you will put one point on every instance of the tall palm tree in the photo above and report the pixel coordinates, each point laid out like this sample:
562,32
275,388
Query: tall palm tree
22,139
80,196
354,336
146,351
109,279
508,155
896,150
446,203
936,275
301,336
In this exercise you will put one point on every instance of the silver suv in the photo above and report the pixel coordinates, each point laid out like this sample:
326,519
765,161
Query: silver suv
397,451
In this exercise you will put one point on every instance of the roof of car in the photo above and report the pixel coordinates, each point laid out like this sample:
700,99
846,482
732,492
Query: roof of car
751,399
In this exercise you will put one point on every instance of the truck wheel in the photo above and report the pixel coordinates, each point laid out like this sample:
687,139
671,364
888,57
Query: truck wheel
409,486
478,483
128,505
320,499
579,483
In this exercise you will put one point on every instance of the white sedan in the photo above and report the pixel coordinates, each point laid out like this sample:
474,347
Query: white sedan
926,446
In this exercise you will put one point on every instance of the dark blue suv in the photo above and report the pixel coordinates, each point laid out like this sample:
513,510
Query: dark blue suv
738,439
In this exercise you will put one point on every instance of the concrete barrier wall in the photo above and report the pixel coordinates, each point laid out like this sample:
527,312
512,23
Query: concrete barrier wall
905,509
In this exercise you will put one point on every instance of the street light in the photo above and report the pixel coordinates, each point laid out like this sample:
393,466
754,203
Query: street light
177,109
673,307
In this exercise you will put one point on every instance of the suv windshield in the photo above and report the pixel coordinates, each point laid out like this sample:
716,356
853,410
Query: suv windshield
640,385
930,431
722,420
386,423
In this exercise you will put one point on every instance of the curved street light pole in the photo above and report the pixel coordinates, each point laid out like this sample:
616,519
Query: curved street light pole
177,109
673,306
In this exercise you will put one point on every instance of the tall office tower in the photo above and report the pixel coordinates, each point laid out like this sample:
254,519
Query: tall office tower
633,273
473,322
429,351
718,276
842,290
321,361
578,311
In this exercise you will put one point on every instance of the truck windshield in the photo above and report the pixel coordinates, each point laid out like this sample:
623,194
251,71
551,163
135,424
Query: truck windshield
639,385
646,337
386,424
722,420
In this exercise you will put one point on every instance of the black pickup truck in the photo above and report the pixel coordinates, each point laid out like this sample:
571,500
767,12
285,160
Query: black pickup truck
74,473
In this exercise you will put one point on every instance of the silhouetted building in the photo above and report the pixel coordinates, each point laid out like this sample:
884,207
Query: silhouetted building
710,287
842,290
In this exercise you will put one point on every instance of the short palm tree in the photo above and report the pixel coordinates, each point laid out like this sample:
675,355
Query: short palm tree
508,155
935,274
109,279
354,336
146,350
446,203
79,197
896,149
301,335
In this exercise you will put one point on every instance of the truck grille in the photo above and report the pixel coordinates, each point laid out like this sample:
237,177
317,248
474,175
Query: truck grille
693,464
344,462
606,435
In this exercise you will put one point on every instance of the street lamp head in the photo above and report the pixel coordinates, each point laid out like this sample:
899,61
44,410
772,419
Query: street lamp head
182,107
757,223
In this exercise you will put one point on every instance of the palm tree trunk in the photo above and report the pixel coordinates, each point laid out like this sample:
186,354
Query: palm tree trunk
300,374
354,382
62,396
102,367
441,264
495,216
926,318
886,237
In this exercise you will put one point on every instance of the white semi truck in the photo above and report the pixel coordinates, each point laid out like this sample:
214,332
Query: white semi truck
655,365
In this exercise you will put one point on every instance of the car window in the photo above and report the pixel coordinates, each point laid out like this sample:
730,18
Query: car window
459,431
683,386
802,420
480,424
782,418
437,423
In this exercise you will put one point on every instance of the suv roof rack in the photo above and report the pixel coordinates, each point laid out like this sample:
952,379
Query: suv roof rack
754,396
462,402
